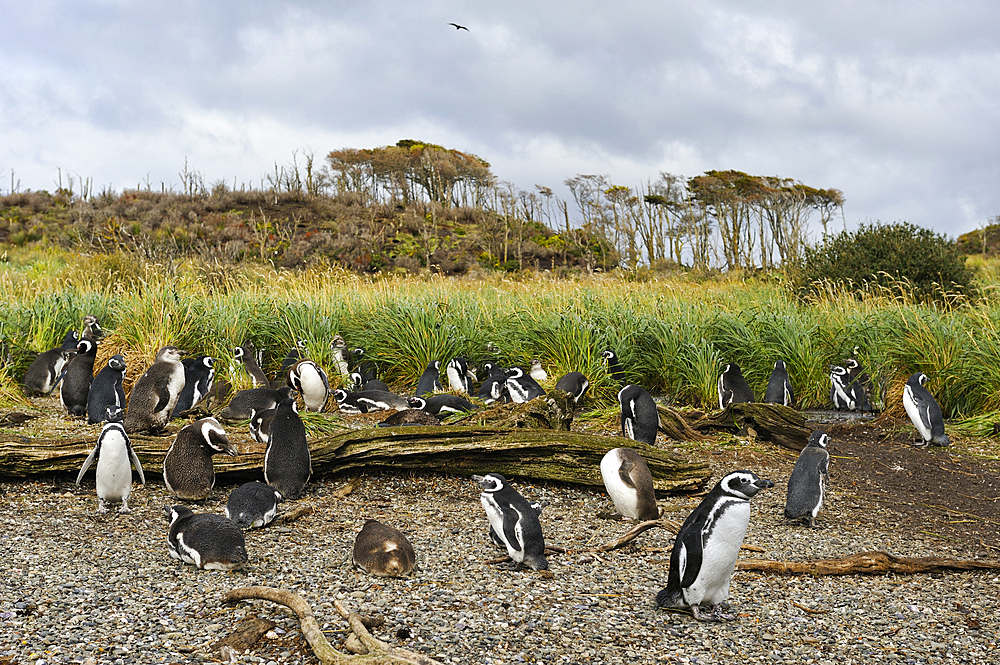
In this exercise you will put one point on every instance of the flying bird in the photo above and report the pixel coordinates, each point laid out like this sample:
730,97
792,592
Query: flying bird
459,27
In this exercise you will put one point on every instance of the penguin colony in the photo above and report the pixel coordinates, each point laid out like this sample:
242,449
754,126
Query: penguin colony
705,549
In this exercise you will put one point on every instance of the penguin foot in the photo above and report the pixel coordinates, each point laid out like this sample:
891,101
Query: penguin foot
101,508
714,614
124,509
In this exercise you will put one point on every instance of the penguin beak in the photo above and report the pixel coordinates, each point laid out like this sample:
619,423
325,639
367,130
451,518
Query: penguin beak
481,481
764,483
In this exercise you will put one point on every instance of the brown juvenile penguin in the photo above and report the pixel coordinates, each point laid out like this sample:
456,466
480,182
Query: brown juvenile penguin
381,550
155,394
188,471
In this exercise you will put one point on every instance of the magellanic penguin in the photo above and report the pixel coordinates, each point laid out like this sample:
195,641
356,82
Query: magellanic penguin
639,417
575,383
706,547
629,484
115,459
92,328
430,380
245,356
779,388
383,551
537,506
245,402
807,484
924,412
155,393
341,356
514,521
521,387
460,376
212,542
253,505
615,368
443,404
45,371
494,386
364,370
295,354
260,424
733,388
311,382
287,464
841,394
188,471
537,372
79,374
369,401
198,377
106,390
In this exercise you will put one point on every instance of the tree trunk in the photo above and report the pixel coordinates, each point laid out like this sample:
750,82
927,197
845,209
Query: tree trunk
774,423
866,563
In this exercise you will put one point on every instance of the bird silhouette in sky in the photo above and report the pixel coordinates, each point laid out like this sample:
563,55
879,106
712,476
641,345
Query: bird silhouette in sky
459,27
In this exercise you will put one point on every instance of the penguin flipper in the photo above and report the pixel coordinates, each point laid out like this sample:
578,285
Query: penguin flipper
136,463
625,471
87,462
693,542
161,391
510,519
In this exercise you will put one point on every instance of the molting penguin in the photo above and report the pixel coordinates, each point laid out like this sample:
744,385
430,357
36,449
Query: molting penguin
521,387
212,542
115,459
79,374
311,382
245,356
45,371
106,390
245,402
514,521
92,328
198,376
287,465
733,388
188,471
706,547
252,505
639,419
341,356
537,372
155,393
381,550
779,388
575,384
841,394
369,401
924,412
460,376
615,368
807,484
430,380
629,484
494,386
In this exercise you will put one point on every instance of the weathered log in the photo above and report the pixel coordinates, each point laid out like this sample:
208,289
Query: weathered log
774,423
676,427
866,563
245,635
570,457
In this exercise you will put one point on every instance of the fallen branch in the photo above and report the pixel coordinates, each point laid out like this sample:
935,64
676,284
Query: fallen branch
379,653
866,563
295,513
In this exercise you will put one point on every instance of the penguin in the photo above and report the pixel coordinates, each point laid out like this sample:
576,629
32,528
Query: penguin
45,371
521,387
575,383
629,484
188,471
260,424
779,388
537,506
383,551
639,419
514,521
106,389
430,380
295,354
252,505
245,402
807,484
842,396
733,388
287,465
365,368
311,382
92,328
115,459
615,368
924,412
445,403
369,401
706,547
198,378
341,356
77,377
212,542
537,372
374,384
245,356
494,386
460,376
859,384
155,393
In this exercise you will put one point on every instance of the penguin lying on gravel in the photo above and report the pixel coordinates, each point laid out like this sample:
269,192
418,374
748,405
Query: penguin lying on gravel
212,542
381,550
253,505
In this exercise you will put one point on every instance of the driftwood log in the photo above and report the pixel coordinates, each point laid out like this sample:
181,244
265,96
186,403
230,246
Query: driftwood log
774,423
866,563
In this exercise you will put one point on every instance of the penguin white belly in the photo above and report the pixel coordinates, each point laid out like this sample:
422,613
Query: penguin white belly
313,391
187,554
114,472
624,497
496,518
720,549
174,388
455,379
919,417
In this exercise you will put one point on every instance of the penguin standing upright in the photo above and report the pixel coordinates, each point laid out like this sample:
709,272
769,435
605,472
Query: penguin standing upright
384,551
260,424
45,371
106,390
245,356
924,411
198,376
252,505
733,388
629,484
115,459
188,471
341,356
295,354
287,464
430,380
494,386
779,388
807,484
155,393
514,520
79,374
841,394
92,328
460,376
575,383
639,417
706,547
537,372
615,368
521,387
859,384
212,542
311,382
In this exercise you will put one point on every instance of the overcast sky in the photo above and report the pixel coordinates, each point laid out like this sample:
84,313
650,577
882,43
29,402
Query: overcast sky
897,104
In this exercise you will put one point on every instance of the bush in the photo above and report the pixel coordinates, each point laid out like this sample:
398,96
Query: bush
885,254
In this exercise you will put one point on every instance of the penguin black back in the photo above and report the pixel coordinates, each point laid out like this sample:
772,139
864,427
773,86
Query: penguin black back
430,380
212,542
188,471
733,388
106,390
779,388
252,505
807,484
615,369
78,376
198,376
514,520
575,383
287,464
639,417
